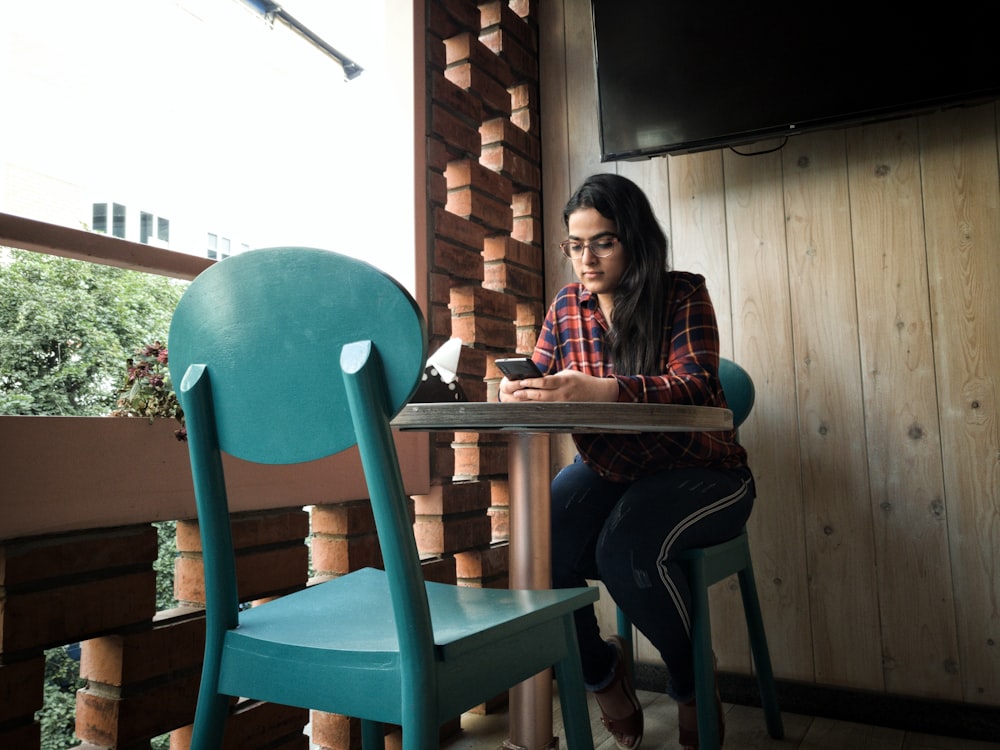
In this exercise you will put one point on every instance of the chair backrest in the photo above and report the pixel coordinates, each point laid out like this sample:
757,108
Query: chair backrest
287,355
739,390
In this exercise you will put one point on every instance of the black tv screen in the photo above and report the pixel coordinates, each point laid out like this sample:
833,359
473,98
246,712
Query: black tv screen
679,76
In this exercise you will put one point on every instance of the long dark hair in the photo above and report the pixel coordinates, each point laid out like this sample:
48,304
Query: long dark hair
636,331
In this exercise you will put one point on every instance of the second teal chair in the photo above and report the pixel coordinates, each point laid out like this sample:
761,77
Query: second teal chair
709,565
288,355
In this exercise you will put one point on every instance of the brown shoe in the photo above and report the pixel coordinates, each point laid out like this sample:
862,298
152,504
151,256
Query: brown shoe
687,722
621,712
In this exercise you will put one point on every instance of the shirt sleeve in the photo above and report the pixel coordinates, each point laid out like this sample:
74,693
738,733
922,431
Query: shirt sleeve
690,359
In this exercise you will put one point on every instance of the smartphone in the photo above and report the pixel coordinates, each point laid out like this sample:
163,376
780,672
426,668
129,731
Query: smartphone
518,368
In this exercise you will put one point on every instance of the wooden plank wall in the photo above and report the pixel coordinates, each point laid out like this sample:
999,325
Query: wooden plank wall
856,275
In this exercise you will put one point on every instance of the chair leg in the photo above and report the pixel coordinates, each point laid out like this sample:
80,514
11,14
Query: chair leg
209,721
761,655
704,663
372,735
572,696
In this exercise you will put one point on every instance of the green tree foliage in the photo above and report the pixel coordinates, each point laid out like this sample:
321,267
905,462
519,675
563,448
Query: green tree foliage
67,328
58,715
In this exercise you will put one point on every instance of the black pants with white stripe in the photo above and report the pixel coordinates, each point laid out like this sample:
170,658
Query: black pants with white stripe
628,535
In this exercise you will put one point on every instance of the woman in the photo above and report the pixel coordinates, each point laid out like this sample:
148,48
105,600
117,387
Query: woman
631,330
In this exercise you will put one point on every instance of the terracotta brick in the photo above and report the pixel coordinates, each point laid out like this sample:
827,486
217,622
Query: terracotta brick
480,459
257,724
173,644
251,529
27,735
524,95
442,460
481,330
526,9
439,322
31,560
335,732
455,98
458,230
523,62
74,610
469,173
439,288
436,57
498,13
513,251
21,685
525,173
343,518
501,131
462,264
473,388
530,313
500,493
468,48
437,535
113,717
449,729
260,573
437,189
453,497
459,134
527,337
493,95
481,208
463,13
473,363
467,300
506,277
439,570
484,564
528,203
527,229
527,120
340,555
437,154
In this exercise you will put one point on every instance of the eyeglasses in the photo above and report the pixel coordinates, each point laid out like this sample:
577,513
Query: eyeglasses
602,247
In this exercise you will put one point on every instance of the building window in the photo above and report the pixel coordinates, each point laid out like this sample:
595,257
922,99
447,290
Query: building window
163,229
213,246
118,220
99,218
145,227
223,247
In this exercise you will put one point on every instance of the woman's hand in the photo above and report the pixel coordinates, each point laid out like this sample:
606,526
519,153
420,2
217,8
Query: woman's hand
568,385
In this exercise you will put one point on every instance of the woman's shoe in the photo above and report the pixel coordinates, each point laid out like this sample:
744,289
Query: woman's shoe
687,722
621,712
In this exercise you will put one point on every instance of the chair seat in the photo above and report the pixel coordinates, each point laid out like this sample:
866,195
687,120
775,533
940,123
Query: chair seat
284,653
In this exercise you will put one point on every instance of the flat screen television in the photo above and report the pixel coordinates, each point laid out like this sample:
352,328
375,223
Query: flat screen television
677,76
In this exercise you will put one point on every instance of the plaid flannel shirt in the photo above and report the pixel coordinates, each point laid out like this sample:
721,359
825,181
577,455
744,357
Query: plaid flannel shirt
572,337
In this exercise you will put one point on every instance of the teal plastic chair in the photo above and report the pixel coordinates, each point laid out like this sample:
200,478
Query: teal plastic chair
287,355
709,565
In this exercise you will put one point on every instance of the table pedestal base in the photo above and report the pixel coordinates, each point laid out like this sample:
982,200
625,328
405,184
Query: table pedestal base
531,700
508,745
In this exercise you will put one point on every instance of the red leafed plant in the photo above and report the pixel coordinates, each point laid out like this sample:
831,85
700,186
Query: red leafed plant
147,391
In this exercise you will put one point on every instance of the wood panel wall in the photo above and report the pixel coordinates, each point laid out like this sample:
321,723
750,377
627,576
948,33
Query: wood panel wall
856,275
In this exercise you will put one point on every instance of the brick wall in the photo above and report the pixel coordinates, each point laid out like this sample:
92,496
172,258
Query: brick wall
486,282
